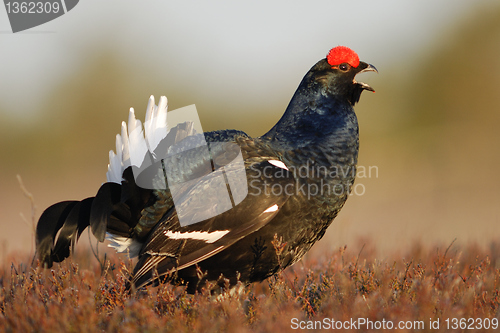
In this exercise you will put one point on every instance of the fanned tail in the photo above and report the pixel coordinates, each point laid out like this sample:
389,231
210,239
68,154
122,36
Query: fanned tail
116,209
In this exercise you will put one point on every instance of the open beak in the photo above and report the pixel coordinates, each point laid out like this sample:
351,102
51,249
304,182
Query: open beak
364,67
368,68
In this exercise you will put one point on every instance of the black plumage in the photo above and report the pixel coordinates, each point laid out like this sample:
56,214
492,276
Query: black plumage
299,176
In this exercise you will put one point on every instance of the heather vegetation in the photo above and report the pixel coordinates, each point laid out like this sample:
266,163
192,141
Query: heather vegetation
413,288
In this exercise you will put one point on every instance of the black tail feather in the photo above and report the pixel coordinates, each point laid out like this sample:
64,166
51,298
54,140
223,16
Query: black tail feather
102,207
76,222
116,208
134,197
69,219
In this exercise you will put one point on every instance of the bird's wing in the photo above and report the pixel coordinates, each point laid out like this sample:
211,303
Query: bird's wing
171,247
135,211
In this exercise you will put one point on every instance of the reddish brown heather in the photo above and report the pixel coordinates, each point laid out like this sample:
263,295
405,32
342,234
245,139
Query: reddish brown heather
425,283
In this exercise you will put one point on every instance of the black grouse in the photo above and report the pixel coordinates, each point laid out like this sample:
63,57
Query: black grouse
295,180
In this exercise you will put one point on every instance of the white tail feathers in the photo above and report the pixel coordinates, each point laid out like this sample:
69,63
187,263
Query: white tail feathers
124,245
136,141
133,143
156,123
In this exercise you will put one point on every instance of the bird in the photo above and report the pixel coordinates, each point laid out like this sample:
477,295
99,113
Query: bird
285,188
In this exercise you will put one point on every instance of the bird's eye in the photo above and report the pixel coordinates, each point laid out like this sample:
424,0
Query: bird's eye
344,67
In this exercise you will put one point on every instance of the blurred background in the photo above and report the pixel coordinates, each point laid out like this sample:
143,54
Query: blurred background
431,129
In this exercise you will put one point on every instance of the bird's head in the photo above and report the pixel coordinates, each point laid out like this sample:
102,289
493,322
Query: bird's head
323,101
336,73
